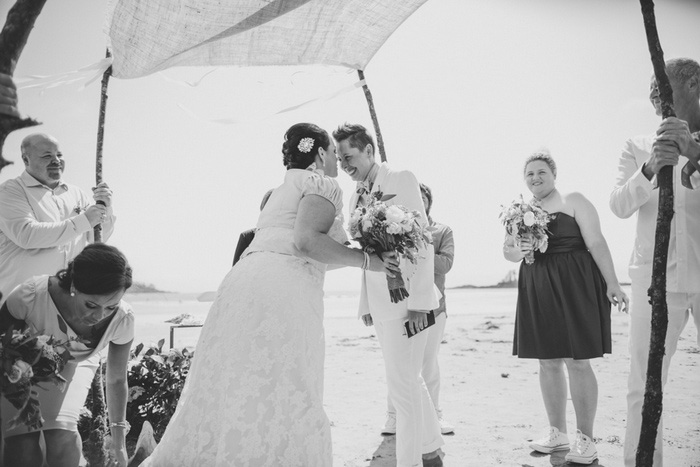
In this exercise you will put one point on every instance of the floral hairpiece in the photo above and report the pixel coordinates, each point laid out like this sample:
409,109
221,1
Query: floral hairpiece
305,145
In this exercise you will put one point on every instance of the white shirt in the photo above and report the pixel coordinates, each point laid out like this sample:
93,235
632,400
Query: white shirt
41,229
635,194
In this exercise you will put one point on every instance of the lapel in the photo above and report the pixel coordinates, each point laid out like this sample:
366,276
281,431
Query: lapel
381,178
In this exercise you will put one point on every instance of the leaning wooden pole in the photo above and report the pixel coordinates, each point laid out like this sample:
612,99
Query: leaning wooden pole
100,136
653,394
373,113
13,37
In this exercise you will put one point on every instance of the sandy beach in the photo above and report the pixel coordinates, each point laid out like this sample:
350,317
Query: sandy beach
492,397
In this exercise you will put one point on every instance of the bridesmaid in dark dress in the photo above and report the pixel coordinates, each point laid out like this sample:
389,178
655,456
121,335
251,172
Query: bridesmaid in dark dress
563,310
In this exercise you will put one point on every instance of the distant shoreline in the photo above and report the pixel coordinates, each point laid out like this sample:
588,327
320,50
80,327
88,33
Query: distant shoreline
504,285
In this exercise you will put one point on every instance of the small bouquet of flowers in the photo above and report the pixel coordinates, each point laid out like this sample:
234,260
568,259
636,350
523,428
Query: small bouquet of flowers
28,359
380,228
527,220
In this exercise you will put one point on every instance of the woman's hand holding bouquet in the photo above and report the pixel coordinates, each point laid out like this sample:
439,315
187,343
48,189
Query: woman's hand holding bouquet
382,229
527,224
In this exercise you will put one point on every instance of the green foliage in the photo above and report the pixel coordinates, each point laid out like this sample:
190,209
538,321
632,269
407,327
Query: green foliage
156,379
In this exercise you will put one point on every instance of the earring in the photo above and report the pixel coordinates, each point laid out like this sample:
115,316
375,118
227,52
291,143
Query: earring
72,292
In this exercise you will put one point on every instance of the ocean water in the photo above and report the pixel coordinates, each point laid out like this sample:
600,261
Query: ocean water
152,310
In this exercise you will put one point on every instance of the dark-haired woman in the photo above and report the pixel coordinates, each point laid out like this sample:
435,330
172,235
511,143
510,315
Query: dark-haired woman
254,395
82,303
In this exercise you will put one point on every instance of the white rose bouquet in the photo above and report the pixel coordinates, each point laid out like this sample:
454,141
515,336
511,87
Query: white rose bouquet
529,221
28,359
380,228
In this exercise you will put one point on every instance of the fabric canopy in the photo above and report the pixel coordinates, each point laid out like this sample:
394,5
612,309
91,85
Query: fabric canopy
152,35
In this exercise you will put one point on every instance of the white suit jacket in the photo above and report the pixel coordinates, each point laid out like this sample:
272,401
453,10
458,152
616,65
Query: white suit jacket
423,295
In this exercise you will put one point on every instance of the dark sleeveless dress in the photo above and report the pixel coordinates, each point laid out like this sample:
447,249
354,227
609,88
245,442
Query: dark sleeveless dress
562,309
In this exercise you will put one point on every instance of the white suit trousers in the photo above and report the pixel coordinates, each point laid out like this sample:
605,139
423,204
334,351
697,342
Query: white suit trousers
431,368
680,307
417,426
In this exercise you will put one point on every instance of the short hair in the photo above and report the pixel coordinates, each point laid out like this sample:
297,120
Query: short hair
544,156
683,69
427,192
355,134
295,158
99,269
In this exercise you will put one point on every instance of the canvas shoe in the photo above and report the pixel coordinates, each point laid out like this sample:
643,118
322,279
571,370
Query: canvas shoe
389,427
582,450
446,427
554,441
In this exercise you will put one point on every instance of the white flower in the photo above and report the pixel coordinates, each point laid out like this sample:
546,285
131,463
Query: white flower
394,228
529,218
395,214
367,223
19,369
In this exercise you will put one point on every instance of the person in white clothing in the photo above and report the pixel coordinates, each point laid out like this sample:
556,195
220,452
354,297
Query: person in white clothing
418,438
444,246
44,221
675,143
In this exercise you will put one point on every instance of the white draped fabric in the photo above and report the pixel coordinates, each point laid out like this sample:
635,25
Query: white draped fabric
151,35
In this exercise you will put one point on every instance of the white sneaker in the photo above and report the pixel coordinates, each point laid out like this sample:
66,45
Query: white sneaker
554,441
446,427
582,451
389,427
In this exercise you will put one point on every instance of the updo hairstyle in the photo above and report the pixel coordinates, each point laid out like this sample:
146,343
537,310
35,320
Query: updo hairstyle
292,156
99,269
543,156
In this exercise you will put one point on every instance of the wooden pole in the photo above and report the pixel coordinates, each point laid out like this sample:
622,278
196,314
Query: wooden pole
373,113
100,138
653,393
13,37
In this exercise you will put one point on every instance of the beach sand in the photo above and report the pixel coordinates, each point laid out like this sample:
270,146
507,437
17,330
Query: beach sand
491,397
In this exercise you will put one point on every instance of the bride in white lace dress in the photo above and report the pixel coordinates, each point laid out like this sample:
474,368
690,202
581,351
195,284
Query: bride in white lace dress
254,395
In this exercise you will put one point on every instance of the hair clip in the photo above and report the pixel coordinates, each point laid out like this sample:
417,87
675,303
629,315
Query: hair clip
305,145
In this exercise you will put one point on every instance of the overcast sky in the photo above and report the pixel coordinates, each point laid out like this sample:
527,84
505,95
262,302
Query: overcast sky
464,90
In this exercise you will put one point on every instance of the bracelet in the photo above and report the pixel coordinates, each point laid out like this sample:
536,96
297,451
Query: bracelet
126,425
365,261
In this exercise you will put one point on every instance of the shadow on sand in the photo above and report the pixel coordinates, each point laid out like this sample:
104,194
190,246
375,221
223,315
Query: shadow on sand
558,458
385,454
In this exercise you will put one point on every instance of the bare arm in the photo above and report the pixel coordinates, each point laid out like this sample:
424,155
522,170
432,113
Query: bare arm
314,220
587,218
117,394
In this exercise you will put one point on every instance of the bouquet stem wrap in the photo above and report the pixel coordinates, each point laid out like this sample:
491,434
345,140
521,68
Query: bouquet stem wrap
397,287
530,256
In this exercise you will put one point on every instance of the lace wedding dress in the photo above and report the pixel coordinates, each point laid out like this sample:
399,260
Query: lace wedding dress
254,395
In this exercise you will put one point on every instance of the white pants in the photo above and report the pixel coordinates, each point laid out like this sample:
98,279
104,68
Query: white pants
680,307
431,369
417,427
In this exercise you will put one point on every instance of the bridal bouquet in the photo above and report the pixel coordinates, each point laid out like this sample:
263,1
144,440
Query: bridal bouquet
529,221
380,228
28,359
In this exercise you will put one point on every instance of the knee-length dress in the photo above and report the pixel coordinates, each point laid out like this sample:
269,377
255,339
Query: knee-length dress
562,310
32,303
254,394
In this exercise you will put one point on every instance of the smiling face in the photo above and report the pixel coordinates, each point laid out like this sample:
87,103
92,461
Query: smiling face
355,162
685,95
539,178
43,159
91,309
